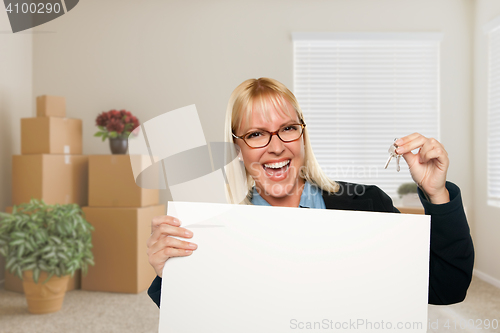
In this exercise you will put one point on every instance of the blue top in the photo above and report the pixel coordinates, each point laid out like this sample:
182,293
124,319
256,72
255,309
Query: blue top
311,197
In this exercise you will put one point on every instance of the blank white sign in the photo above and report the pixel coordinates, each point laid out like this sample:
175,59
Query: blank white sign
273,269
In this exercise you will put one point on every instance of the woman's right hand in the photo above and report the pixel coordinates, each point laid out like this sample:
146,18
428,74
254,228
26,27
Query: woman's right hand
161,246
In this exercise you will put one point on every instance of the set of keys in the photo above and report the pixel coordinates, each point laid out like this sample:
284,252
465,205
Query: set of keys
392,153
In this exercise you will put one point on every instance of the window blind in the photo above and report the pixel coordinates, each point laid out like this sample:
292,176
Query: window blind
493,150
359,92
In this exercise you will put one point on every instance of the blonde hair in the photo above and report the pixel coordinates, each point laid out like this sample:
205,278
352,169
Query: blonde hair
256,94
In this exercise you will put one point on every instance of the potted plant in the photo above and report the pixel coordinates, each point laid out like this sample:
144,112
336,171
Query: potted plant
409,193
43,245
117,126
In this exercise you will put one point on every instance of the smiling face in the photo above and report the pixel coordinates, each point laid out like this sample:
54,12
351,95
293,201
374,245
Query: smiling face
275,168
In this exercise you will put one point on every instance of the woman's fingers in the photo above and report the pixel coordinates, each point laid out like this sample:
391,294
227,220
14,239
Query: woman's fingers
426,145
167,247
158,259
163,219
161,246
171,242
407,144
429,144
410,158
405,139
168,230
410,142
428,167
437,153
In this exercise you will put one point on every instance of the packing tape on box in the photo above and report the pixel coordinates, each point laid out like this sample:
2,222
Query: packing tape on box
170,151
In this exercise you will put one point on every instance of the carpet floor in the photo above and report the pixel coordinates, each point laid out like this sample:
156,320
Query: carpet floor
86,311
82,311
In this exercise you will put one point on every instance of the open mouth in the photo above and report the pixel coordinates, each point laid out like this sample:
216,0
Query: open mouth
276,170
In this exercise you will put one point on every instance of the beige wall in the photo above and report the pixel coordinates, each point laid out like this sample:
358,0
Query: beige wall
154,56
16,101
486,230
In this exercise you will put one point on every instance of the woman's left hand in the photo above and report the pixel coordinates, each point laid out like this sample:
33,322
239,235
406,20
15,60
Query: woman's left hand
428,167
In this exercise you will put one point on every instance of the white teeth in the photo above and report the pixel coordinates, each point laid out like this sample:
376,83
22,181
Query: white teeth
277,165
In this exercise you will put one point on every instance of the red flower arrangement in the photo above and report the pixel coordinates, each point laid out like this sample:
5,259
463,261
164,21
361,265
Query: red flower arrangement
115,124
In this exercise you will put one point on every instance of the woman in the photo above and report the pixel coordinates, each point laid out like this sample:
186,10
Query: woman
264,119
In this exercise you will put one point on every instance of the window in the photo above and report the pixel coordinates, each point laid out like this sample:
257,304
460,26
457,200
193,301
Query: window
359,92
493,150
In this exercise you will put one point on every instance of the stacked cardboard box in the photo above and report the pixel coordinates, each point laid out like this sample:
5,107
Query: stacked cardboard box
50,166
121,213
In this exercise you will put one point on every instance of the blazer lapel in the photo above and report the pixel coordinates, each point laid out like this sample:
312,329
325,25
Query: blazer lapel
346,199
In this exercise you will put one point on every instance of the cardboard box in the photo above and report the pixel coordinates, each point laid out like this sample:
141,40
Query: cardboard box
14,283
51,135
50,106
112,183
411,210
59,179
119,248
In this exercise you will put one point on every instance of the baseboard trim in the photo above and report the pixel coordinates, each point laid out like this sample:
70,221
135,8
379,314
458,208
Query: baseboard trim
487,278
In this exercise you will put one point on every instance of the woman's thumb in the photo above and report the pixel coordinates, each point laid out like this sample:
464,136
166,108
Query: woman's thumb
410,158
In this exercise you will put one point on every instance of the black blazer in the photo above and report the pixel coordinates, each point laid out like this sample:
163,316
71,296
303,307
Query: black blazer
451,249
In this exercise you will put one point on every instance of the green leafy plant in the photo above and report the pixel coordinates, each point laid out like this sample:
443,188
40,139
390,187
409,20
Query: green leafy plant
407,188
52,238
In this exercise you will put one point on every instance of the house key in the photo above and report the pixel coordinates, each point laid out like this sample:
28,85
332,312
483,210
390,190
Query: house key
392,153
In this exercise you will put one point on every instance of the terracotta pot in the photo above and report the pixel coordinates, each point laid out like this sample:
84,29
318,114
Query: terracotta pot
44,298
118,145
